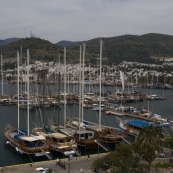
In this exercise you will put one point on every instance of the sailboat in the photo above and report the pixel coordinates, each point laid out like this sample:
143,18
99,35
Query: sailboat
22,140
60,140
105,134
84,138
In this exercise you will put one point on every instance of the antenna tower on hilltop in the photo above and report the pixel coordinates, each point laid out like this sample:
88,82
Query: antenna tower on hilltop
32,35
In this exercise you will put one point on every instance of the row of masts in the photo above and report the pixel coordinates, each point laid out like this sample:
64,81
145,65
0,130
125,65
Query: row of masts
101,133
81,100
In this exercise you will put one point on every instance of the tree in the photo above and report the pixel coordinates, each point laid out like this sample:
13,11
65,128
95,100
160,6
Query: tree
150,139
122,160
169,142
49,170
125,158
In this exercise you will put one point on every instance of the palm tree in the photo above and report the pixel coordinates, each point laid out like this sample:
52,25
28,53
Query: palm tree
150,140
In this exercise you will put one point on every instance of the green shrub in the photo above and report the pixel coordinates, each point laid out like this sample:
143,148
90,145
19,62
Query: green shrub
164,165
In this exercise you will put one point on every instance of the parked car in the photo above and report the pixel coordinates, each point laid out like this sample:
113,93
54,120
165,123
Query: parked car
42,170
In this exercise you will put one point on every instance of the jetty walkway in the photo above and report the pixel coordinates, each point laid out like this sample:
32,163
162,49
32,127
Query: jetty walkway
121,114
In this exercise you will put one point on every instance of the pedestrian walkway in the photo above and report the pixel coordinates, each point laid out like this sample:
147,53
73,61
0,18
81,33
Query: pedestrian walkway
82,164
71,166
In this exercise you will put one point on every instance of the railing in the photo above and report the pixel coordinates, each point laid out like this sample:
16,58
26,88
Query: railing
102,145
46,154
75,149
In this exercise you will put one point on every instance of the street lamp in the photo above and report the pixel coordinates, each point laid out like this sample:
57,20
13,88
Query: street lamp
69,158
69,166
98,150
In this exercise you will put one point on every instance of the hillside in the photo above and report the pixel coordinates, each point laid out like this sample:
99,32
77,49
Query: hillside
9,40
145,48
40,49
64,43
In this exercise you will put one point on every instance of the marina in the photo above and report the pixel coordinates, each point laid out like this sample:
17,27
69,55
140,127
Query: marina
161,107
48,131
86,87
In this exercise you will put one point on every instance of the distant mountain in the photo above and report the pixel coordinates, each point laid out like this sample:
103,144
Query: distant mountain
64,43
145,48
9,40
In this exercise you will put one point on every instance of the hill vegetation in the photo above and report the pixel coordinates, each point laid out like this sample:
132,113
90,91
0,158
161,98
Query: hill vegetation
146,48
40,49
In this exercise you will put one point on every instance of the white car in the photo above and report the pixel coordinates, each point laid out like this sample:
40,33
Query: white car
42,170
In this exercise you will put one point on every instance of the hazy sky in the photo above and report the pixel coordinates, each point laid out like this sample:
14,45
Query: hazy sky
80,20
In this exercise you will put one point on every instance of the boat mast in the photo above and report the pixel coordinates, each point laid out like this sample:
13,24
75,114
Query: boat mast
2,77
100,80
64,87
28,90
59,91
89,79
25,77
36,80
21,54
18,91
58,97
83,79
80,86
21,86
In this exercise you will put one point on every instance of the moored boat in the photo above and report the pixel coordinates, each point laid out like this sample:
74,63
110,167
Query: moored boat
134,126
24,143
62,143
86,139
106,134
22,140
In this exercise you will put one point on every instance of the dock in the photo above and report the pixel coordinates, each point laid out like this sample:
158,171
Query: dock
119,113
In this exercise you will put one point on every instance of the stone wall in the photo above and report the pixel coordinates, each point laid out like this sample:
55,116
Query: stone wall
161,160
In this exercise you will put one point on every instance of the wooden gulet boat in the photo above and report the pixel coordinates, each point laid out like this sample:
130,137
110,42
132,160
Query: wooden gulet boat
83,138
22,140
105,134
24,144
86,139
61,141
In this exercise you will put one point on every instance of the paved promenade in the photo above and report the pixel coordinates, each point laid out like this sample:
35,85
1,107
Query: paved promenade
72,166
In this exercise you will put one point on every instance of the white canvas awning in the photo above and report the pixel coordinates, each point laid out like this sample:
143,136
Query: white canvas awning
58,135
28,138
39,137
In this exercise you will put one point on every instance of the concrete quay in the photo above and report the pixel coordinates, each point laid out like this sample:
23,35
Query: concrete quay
76,165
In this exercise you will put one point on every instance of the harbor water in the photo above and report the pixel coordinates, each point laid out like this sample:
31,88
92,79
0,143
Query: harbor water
8,115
